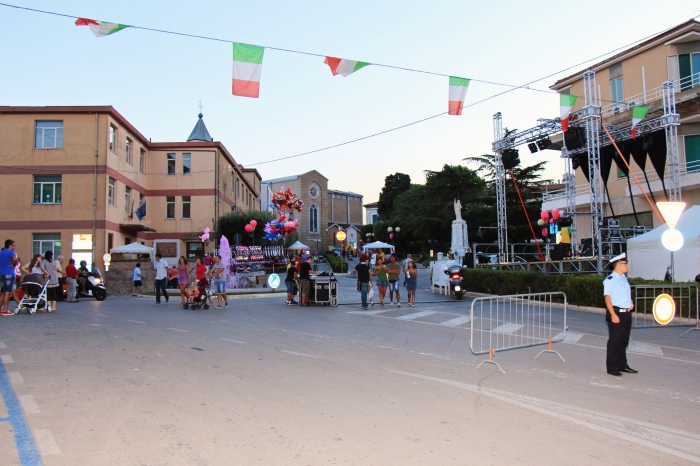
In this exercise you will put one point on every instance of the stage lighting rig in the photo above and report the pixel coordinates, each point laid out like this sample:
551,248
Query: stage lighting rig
533,147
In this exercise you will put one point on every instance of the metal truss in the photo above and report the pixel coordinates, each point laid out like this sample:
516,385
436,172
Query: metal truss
671,122
544,128
501,216
570,191
562,267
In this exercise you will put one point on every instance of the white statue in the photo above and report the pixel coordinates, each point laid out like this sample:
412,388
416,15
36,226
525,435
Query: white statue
458,209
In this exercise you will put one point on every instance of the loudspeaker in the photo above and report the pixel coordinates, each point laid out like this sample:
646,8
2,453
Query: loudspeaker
587,247
560,251
510,158
574,138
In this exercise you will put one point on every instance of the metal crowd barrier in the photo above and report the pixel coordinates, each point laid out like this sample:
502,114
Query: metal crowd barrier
503,323
685,297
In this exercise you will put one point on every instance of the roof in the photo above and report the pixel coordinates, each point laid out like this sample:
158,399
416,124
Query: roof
642,46
371,205
200,132
279,180
336,191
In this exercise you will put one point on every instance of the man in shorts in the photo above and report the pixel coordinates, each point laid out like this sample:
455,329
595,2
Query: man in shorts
218,275
305,280
8,261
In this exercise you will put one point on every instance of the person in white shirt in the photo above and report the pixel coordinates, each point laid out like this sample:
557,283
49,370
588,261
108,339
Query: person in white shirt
161,278
137,280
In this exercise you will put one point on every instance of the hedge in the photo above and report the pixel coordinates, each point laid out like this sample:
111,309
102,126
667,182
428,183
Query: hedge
337,264
580,289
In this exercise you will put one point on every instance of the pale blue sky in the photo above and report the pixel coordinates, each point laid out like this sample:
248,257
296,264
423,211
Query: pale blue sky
156,80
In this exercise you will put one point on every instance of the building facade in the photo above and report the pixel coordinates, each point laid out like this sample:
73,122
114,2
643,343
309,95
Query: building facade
326,211
632,78
74,177
371,213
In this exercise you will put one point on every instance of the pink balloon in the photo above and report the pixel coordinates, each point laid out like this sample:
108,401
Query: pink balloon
248,228
253,223
545,231
544,215
391,236
555,214
551,220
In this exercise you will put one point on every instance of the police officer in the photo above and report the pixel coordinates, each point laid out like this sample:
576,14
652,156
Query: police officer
618,303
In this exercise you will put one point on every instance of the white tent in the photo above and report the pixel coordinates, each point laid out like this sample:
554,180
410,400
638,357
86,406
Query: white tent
133,248
298,245
378,245
649,259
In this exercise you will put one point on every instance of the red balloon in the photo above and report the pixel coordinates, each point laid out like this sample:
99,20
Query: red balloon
545,231
551,220
248,228
544,215
253,223
555,214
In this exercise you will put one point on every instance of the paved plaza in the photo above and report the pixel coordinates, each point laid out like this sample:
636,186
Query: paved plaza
126,382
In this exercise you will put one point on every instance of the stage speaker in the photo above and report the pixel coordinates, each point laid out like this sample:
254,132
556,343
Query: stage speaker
574,138
510,158
587,247
560,251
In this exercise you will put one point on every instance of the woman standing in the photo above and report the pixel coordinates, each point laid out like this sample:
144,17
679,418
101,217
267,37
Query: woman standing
33,265
49,267
411,282
200,270
382,281
182,277
61,277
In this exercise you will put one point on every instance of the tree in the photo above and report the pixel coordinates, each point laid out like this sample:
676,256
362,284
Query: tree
234,223
394,185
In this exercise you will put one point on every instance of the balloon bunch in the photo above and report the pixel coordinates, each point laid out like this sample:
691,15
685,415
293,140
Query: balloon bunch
251,226
205,236
285,202
546,217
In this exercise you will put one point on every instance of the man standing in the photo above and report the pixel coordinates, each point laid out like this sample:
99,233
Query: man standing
161,278
364,276
393,269
305,279
8,261
71,281
218,275
618,303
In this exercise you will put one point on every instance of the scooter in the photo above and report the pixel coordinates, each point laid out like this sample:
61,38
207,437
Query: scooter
454,272
94,286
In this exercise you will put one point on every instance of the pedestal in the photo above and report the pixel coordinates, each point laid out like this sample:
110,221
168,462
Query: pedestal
460,238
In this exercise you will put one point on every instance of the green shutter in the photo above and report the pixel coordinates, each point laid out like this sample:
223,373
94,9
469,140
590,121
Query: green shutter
692,153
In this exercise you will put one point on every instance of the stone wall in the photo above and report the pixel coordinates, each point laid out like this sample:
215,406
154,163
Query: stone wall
119,277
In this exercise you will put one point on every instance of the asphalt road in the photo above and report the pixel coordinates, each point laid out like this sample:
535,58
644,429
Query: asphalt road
126,382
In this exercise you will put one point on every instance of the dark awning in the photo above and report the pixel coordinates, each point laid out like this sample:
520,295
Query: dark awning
135,227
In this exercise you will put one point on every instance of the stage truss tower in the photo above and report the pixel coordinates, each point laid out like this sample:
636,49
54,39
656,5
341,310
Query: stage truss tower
670,122
502,218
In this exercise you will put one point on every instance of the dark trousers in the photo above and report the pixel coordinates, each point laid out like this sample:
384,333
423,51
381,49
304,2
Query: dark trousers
160,286
618,338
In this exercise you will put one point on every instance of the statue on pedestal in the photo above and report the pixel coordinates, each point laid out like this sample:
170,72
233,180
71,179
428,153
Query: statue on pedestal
458,209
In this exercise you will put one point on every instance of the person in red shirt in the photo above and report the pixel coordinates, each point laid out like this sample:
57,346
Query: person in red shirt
71,279
200,271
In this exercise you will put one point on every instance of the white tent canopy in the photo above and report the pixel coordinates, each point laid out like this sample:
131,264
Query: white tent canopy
298,245
133,248
378,245
649,259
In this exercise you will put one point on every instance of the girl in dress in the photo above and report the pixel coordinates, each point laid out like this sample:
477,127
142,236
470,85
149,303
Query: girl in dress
411,282
183,278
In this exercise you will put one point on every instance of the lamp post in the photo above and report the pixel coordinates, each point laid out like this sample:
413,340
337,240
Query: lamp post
392,232
672,239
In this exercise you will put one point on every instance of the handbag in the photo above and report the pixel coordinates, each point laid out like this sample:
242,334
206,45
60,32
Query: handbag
359,285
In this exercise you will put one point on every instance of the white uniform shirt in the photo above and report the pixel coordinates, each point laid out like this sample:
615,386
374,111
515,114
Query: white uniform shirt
137,274
160,269
618,288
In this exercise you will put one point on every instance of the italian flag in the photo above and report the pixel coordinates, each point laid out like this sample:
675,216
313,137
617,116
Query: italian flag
247,65
340,66
566,103
638,114
100,28
458,91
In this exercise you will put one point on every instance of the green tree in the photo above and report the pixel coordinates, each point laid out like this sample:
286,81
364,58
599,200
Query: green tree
234,223
394,185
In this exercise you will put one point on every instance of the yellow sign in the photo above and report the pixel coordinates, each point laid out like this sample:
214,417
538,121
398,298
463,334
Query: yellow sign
340,236
664,309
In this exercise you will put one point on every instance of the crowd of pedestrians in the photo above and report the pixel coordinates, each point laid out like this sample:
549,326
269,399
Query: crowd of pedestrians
387,277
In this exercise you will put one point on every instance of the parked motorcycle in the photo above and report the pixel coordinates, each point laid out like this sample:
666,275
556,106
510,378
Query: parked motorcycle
454,272
94,286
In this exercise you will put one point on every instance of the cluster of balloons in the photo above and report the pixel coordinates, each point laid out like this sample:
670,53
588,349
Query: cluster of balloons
547,217
251,226
284,201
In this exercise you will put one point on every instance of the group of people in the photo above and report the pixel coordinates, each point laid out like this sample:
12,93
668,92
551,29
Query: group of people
182,272
388,276
300,269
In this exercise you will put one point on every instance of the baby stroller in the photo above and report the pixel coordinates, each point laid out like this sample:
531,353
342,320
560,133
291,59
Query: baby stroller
198,295
34,298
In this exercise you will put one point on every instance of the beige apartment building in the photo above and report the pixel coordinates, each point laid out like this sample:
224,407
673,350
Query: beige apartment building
635,77
326,211
71,179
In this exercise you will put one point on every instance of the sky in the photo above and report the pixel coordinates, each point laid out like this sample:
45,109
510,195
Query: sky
156,80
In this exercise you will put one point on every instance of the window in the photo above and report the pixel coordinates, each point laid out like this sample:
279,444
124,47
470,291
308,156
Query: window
127,240
127,199
313,219
237,189
186,200
616,89
113,138
128,151
225,187
195,250
170,207
42,242
692,153
142,161
110,241
186,164
689,69
49,135
111,192
47,189
171,164
140,199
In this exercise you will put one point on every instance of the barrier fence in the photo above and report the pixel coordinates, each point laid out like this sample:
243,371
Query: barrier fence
685,297
503,323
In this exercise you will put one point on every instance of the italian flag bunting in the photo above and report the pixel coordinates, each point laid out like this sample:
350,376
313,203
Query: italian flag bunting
340,66
458,91
638,114
247,65
566,103
100,28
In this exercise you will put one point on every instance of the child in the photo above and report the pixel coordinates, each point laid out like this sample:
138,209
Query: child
137,280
